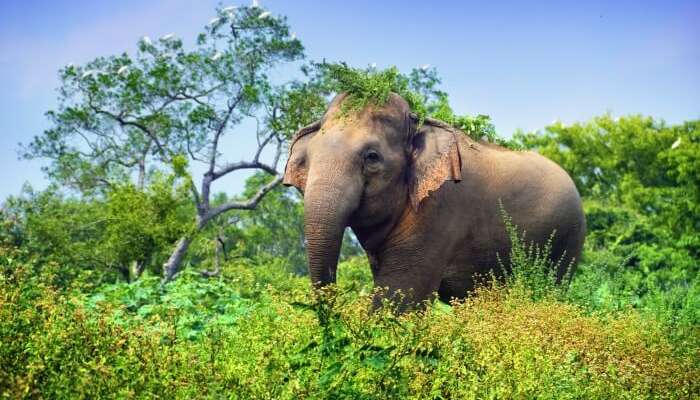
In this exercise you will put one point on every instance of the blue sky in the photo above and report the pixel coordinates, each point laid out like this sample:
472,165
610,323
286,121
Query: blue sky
523,63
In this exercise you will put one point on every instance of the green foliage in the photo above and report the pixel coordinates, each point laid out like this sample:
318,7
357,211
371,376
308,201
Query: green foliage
180,165
126,115
211,338
59,231
364,87
128,231
530,268
142,224
370,87
303,102
193,304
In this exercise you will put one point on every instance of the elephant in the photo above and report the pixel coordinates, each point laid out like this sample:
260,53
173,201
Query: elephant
424,200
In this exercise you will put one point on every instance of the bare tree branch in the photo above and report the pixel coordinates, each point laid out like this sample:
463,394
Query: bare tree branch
255,163
209,175
222,126
195,196
182,95
124,122
188,144
243,165
278,153
249,204
261,146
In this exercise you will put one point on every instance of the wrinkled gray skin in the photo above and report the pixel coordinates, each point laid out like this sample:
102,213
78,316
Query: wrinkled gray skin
423,202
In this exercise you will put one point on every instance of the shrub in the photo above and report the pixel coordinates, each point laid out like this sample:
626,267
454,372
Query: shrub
530,268
137,341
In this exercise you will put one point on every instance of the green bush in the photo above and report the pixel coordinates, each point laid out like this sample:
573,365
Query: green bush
104,239
253,332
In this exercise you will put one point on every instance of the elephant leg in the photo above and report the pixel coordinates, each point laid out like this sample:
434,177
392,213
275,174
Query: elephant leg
405,281
454,288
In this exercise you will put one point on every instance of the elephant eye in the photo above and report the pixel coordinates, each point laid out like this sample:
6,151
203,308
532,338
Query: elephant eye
372,156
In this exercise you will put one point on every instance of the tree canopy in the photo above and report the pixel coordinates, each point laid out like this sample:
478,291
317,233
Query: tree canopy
168,107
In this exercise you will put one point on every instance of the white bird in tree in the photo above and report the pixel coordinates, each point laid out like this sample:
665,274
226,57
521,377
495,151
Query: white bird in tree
214,21
294,35
425,67
264,15
230,12
146,40
255,4
122,70
676,144
167,37
88,73
216,56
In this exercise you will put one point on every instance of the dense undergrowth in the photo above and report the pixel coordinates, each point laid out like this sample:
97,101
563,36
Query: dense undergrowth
256,332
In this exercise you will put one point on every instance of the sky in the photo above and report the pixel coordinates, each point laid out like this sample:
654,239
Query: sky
525,64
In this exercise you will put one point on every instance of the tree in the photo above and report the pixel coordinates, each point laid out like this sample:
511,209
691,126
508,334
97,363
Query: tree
122,117
115,236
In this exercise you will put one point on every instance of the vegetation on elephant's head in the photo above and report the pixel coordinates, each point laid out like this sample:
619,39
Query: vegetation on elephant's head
372,87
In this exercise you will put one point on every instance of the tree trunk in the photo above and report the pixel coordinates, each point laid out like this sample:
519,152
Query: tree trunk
205,214
172,266
142,174
220,250
137,268
125,272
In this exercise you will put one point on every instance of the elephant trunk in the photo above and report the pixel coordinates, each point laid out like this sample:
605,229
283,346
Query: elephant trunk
327,208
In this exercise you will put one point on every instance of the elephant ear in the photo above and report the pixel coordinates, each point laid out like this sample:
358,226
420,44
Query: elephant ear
435,160
296,170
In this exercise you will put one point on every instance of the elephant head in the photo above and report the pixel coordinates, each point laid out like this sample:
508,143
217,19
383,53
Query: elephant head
365,170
